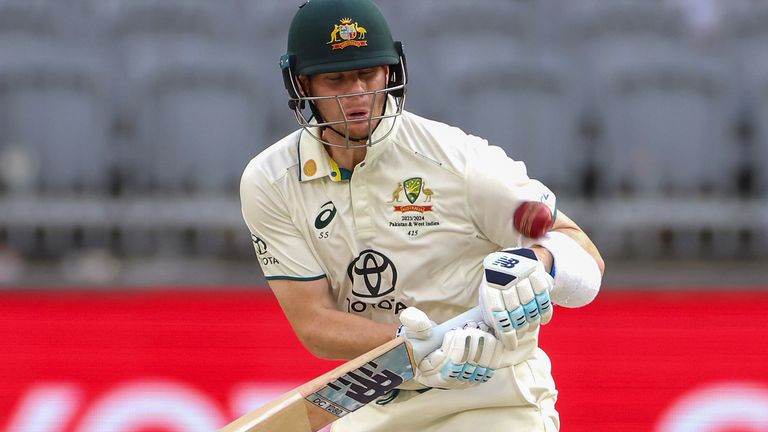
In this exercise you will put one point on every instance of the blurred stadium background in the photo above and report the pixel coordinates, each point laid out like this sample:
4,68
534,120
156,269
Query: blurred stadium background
126,270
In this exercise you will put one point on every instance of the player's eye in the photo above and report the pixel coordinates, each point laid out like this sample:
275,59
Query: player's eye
333,77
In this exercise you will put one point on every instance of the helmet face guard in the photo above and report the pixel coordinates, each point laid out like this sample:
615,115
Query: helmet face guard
328,36
309,118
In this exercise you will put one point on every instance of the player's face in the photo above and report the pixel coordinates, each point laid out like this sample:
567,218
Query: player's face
357,109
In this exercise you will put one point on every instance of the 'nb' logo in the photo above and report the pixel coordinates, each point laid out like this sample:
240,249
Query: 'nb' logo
367,383
506,262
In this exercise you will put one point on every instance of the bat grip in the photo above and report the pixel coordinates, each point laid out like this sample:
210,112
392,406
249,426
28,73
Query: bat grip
422,348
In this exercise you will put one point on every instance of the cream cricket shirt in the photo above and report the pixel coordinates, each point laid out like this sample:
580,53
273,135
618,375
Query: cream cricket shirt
410,228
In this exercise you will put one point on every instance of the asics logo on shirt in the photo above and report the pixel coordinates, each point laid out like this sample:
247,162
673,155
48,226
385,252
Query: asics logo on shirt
326,215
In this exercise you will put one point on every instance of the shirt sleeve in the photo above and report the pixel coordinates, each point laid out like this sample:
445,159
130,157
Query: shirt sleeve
281,249
496,186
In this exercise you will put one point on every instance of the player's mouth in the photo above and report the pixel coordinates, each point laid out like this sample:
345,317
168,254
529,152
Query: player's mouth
357,115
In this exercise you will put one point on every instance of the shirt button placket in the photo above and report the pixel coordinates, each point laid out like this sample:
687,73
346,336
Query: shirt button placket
361,206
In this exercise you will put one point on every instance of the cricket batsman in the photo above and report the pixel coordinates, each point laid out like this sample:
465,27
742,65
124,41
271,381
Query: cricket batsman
370,222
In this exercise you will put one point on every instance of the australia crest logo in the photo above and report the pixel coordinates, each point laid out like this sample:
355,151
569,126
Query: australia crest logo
414,188
347,34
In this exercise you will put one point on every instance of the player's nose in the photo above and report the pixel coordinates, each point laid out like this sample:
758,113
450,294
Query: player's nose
357,85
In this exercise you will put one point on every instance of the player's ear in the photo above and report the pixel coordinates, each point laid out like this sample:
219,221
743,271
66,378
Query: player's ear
302,82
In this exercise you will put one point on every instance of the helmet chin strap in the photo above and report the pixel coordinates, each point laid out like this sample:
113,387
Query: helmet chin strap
360,140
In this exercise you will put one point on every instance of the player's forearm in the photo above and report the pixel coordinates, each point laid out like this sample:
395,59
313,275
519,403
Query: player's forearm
582,240
342,336
545,256
325,331
578,265
565,225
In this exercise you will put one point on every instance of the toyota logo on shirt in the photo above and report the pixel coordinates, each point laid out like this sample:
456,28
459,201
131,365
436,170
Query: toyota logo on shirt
259,245
373,275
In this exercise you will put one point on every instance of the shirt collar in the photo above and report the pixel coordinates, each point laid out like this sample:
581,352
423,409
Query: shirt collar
315,163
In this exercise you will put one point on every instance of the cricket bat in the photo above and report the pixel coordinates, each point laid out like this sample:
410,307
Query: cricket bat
356,383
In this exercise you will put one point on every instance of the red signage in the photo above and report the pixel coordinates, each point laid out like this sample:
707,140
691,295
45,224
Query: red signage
635,361
185,361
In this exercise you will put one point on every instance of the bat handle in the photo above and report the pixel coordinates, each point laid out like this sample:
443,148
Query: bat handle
422,348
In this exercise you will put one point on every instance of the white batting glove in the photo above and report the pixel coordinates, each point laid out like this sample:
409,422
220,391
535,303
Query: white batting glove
467,357
514,294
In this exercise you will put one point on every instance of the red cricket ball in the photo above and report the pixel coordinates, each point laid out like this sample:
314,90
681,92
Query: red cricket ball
533,219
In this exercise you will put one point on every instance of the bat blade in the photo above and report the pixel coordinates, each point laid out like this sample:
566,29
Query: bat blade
352,385
286,413
327,398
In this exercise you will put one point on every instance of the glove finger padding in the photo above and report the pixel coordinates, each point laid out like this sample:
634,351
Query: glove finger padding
493,300
467,357
488,359
527,300
542,283
467,347
495,313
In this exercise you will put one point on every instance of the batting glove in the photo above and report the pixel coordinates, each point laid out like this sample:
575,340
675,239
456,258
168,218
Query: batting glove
514,294
467,357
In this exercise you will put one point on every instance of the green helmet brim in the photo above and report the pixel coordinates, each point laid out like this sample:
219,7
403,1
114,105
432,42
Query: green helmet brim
348,65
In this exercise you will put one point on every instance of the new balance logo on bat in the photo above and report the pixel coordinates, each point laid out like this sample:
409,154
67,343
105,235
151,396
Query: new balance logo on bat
363,385
365,389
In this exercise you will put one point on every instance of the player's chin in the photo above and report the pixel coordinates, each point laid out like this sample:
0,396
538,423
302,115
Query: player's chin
361,130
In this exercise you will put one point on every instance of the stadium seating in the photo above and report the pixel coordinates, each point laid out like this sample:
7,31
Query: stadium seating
268,22
53,99
661,119
454,40
747,30
528,110
191,97
666,131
